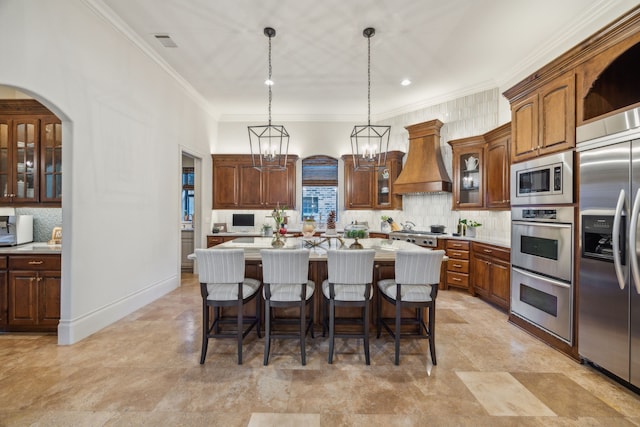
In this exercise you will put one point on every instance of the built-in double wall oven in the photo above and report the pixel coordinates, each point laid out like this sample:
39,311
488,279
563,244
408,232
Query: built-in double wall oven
542,240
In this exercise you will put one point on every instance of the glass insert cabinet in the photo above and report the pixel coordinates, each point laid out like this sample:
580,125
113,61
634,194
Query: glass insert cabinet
30,154
468,177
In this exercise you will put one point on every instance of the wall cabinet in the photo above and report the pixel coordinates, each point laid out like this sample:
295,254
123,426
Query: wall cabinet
498,168
544,121
458,264
468,172
372,188
491,273
237,185
33,293
31,144
481,170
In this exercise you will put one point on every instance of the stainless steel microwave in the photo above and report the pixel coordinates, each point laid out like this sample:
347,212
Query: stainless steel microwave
546,180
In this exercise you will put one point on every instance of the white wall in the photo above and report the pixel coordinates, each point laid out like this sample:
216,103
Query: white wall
124,123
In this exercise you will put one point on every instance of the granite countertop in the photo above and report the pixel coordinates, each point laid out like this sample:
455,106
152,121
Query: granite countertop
385,248
35,248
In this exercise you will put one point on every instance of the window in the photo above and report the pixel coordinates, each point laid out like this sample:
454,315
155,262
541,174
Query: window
319,187
187,193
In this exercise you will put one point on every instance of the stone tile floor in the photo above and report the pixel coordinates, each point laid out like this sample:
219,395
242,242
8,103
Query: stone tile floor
144,370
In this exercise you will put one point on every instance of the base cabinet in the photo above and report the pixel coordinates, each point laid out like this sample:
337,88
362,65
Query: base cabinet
3,293
216,240
33,293
491,273
458,264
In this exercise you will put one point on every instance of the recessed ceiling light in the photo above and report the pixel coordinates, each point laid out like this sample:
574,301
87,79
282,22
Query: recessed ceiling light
405,82
268,82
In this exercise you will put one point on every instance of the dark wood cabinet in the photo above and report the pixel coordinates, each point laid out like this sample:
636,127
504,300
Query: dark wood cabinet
481,170
216,240
33,293
238,185
498,168
468,172
372,188
3,293
491,273
458,264
31,144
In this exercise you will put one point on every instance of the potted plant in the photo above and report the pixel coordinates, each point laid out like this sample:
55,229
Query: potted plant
267,230
469,227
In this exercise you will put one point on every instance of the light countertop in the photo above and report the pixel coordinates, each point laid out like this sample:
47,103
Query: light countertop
39,248
385,248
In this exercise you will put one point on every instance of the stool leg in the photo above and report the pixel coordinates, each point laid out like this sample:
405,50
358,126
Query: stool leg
366,332
303,318
205,331
258,318
332,309
267,331
239,336
378,315
432,329
397,332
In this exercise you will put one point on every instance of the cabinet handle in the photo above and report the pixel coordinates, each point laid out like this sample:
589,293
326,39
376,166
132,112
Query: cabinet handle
36,262
456,245
457,265
489,251
455,279
458,202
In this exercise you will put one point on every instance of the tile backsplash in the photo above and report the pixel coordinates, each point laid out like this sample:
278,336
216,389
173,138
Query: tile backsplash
44,219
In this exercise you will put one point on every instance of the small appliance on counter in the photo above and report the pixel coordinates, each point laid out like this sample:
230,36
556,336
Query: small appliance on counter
16,230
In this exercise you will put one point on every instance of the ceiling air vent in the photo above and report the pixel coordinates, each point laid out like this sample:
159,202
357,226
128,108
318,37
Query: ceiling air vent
165,40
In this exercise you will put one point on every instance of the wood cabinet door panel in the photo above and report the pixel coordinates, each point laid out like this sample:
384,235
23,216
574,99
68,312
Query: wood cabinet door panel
279,187
480,278
49,298
557,115
250,187
23,305
501,282
3,299
358,187
524,125
497,175
226,181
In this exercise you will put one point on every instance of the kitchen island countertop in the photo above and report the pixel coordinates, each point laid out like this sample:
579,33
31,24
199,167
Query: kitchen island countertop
34,248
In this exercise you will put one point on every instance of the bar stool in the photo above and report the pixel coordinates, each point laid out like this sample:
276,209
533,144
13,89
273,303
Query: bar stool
348,285
222,284
285,275
417,273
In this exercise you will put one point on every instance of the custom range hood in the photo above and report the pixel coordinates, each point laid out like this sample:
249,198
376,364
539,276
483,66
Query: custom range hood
423,171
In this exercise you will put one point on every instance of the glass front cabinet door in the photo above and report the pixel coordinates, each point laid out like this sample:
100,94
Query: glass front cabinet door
468,166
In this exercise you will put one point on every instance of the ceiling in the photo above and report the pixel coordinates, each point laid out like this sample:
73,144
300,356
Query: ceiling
447,49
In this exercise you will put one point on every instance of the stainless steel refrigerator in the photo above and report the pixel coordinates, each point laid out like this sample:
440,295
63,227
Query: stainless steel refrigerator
609,248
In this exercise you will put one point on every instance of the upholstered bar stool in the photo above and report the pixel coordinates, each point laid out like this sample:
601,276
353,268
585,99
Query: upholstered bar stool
285,275
417,273
222,284
349,285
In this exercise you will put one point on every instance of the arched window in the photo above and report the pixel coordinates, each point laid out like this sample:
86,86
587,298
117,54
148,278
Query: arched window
319,187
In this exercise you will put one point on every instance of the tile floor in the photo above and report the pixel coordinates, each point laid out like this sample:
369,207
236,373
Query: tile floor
144,370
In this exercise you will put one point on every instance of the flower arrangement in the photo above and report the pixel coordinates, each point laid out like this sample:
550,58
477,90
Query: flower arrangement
279,214
469,222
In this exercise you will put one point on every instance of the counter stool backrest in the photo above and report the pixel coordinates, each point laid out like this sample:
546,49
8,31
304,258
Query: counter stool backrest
350,267
285,266
418,267
220,265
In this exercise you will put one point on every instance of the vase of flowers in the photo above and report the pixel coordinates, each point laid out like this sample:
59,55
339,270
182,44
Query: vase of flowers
279,216
469,227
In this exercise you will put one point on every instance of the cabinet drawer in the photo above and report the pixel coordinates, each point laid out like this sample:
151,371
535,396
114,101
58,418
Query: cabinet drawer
458,265
491,251
34,262
213,241
457,279
457,254
458,244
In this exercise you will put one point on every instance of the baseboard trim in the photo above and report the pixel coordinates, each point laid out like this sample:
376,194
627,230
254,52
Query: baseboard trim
74,330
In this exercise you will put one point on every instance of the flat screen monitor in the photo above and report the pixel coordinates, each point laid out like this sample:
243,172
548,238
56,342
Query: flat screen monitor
243,222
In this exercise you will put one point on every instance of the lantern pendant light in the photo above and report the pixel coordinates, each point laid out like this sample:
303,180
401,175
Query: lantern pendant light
369,144
269,143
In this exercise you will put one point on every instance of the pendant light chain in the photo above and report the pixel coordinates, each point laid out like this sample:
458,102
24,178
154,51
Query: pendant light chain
369,81
270,81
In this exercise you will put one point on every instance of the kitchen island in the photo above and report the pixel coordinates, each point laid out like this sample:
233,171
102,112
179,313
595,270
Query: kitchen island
384,266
